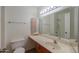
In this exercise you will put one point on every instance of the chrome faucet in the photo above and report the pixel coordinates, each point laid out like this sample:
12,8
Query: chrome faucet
55,42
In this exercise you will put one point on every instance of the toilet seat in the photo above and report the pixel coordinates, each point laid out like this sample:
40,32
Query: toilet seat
19,50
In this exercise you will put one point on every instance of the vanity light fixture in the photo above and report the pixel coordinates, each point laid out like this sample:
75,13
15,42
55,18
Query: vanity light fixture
48,9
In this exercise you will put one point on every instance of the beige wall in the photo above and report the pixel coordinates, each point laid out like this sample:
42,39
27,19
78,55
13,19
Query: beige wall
0,26
76,22
16,31
3,27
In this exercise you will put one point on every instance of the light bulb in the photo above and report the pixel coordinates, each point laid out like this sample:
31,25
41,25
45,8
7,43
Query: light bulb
51,6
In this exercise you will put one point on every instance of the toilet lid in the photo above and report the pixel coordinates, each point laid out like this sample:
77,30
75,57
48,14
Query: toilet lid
19,50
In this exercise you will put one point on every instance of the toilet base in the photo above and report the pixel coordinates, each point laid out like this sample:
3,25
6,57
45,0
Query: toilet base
19,50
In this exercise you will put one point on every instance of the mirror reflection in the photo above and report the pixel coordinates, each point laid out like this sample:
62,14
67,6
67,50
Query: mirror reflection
62,23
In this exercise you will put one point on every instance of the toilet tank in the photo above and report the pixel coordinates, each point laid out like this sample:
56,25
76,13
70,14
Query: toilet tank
17,43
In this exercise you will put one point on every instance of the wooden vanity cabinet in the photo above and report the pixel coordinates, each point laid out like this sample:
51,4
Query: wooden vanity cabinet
41,49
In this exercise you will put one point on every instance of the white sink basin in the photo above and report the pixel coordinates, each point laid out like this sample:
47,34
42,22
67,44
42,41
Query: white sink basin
52,45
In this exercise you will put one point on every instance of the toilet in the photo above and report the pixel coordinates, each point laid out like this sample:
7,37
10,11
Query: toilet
19,50
18,45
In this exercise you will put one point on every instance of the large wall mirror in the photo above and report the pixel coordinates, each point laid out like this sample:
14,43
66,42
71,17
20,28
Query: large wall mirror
62,23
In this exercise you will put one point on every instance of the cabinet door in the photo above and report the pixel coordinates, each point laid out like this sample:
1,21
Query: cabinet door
38,48
41,49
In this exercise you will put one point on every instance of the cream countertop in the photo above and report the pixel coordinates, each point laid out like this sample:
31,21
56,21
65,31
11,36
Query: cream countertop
71,42
48,42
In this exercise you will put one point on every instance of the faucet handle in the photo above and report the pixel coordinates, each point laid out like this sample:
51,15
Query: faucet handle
65,32
55,42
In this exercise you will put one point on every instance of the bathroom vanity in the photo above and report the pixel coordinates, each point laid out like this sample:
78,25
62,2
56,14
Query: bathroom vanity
46,43
38,46
59,31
